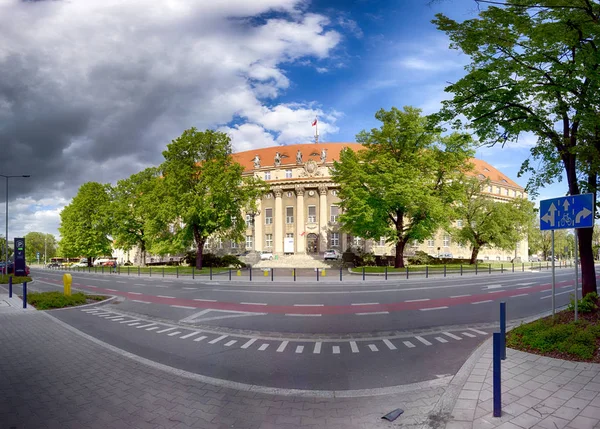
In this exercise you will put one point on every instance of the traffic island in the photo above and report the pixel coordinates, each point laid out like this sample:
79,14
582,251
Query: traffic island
15,279
52,300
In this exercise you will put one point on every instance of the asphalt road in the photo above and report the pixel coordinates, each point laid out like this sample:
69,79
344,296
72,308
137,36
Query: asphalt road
307,335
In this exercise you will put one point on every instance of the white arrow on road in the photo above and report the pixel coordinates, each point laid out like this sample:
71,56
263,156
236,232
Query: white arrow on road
566,205
585,212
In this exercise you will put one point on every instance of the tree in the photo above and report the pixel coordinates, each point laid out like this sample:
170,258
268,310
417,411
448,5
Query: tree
36,242
132,208
487,222
535,69
402,184
84,224
3,248
202,192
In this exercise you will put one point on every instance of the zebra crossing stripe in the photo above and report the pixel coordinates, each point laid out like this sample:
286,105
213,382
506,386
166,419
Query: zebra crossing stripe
174,333
423,340
336,350
478,331
132,324
373,348
145,326
353,346
282,346
230,343
389,344
130,320
216,340
466,334
165,330
117,319
408,344
152,329
317,349
189,335
248,343
441,340
201,338
454,337
299,349
263,347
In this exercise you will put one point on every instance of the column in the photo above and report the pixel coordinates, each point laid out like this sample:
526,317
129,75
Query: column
258,228
323,219
300,223
278,229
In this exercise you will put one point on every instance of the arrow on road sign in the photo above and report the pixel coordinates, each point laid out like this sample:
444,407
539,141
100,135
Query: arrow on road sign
566,205
549,217
585,212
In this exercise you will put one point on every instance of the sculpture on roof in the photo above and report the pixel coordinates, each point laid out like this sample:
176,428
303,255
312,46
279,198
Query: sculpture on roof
277,159
298,157
256,161
323,155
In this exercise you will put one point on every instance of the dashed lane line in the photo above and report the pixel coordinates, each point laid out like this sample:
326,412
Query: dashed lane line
112,290
459,296
365,303
254,303
134,293
372,313
303,315
482,302
417,300
183,306
205,300
309,305
165,296
521,294
141,302
282,346
433,308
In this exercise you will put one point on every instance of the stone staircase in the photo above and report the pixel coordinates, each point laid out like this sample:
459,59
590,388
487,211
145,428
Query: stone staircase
298,261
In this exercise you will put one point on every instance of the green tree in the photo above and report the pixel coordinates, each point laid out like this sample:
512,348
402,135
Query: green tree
202,193
132,208
487,222
535,69
84,224
3,249
36,242
402,184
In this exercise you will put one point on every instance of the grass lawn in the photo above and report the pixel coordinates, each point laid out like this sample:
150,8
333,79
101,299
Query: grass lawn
562,338
495,266
154,270
49,300
15,280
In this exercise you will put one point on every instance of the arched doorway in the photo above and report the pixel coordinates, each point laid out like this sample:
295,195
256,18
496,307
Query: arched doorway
312,244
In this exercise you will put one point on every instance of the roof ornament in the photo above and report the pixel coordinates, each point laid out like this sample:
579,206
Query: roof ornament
256,161
298,157
277,159
323,155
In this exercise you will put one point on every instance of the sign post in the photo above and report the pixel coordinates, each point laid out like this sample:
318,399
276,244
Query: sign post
571,212
19,259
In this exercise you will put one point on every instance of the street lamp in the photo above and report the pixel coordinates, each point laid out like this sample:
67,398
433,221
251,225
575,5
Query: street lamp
6,237
253,214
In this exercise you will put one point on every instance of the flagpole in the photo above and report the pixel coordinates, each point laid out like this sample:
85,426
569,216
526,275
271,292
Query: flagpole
316,130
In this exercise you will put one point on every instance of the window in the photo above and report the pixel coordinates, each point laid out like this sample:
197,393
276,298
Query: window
382,241
446,240
206,244
234,245
312,214
506,191
288,174
268,196
334,212
220,243
249,243
267,175
334,192
268,240
248,221
508,258
268,216
459,223
289,235
490,189
335,239
430,243
289,195
498,190
357,241
289,215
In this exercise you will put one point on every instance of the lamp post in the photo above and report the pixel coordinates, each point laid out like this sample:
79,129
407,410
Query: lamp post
253,214
6,237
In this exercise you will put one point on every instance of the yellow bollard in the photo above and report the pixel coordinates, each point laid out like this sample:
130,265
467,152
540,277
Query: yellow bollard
293,272
266,273
67,280
323,272
239,273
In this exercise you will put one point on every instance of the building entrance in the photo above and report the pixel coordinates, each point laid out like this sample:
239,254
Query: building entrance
312,244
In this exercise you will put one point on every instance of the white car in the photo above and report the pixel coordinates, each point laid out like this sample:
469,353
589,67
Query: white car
332,254
100,262
79,264
266,256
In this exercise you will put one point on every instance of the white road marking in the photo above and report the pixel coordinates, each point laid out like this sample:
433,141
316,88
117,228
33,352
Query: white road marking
132,320
408,344
303,315
254,303
139,284
423,340
183,306
455,337
112,290
417,300
309,305
478,331
216,340
119,281
525,284
118,319
164,330
89,310
189,335
282,346
145,326
433,308
263,347
141,302
524,287
201,338
165,296
459,296
493,286
390,345
556,294
365,303
134,293
133,324
373,348
248,343
317,348
151,329
353,346
190,288
336,350
521,294
441,340
482,302
230,343
205,300
372,313
112,317
299,349
466,334
174,333
495,291
103,314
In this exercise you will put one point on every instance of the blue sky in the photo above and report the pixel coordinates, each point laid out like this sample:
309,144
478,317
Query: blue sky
102,86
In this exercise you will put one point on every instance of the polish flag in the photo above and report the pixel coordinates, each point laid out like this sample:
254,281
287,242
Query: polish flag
314,124
303,233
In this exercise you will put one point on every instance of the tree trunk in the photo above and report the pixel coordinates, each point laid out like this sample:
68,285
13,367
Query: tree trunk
143,253
89,261
199,246
474,254
586,256
399,261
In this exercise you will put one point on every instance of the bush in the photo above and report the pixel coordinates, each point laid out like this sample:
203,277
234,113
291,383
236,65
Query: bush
585,305
231,261
212,260
421,258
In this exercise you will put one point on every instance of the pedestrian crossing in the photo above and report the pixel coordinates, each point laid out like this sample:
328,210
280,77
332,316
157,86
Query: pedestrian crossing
314,348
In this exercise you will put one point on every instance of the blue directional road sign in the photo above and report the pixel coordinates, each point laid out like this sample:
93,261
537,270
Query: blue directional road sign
575,211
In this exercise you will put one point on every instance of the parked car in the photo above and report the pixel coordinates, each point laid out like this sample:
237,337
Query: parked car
53,265
11,269
266,256
332,254
109,264
100,262
79,264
